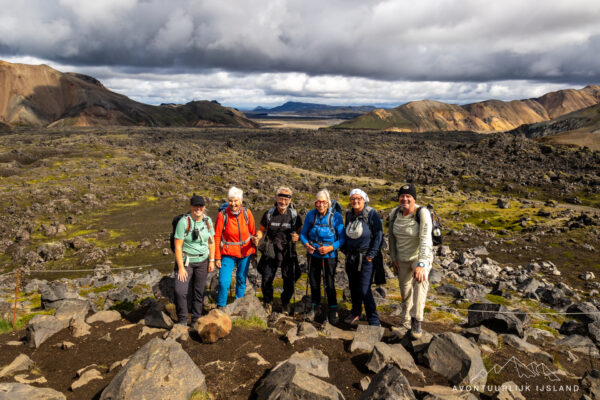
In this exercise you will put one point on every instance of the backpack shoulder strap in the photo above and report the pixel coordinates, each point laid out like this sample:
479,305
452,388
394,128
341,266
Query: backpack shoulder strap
188,220
245,212
205,219
393,216
224,214
418,214
294,214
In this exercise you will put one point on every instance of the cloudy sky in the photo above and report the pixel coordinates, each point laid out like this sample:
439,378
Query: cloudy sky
265,52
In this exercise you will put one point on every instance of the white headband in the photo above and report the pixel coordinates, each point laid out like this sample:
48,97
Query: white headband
361,193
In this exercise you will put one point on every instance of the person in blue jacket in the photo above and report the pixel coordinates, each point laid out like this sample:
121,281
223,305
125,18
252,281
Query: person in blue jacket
322,234
364,233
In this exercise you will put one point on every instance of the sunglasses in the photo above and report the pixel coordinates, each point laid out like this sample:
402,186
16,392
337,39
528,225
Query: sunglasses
320,202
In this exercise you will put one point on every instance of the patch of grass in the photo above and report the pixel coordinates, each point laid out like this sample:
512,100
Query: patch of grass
200,395
442,316
99,289
21,322
252,322
543,326
384,309
568,255
497,299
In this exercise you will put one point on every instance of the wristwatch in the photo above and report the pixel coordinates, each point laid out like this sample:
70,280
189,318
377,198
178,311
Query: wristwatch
421,264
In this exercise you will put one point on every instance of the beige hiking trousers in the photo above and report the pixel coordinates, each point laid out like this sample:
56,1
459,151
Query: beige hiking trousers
414,294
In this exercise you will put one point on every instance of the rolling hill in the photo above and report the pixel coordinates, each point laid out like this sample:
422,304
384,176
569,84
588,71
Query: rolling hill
485,116
580,128
38,95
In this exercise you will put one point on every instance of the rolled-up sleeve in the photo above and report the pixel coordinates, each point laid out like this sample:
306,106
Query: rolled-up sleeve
425,254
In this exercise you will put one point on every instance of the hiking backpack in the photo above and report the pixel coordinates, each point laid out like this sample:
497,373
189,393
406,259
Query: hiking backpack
436,223
187,228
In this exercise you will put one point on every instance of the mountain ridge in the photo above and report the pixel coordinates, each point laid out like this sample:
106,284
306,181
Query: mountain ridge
42,96
485,116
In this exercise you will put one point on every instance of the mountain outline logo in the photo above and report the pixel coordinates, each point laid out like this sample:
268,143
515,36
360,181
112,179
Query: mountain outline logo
531,370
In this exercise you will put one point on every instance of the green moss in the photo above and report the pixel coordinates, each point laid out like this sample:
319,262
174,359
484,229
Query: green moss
497,299
252,322
200,395
443,316
99,289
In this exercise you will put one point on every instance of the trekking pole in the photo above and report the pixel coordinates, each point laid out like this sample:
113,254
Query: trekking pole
307,279
324,292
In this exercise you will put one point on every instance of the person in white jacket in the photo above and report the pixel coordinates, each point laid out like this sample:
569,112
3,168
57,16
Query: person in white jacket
411,250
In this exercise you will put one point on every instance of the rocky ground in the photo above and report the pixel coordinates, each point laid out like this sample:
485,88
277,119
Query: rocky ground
521,231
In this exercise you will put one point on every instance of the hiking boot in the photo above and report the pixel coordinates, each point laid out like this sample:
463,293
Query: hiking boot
415,328
352,320
268,308
406,324
285,309
220,308
310,315
333,316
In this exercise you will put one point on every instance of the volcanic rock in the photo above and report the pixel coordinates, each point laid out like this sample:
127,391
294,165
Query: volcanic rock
160,369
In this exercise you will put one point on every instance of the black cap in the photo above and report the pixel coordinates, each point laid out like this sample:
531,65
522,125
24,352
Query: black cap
409,188
197,200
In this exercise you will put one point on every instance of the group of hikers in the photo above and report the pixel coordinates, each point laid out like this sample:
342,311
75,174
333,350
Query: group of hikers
201,246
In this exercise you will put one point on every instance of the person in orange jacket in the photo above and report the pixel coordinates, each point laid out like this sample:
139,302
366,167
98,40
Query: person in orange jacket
234,231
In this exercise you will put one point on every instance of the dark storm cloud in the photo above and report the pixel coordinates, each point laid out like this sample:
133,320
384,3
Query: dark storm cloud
466,40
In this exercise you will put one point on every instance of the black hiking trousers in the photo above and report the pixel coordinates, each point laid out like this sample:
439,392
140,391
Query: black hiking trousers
326,266
287,273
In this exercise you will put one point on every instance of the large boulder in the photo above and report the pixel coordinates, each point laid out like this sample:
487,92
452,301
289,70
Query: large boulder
365,338
389,383
495,317
71,309
51,251
291,381
456,358
247,307
21,391
384,353
56,291
585,312
158,317
21,363
159,370
214,326
42,327
312,361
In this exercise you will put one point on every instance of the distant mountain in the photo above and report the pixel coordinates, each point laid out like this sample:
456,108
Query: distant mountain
581,128
485,116
42,96
299,109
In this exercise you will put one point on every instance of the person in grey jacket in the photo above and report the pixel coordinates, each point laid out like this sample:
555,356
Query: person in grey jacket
411,250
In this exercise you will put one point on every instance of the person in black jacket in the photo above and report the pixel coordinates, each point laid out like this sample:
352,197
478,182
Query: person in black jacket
279,226
364,233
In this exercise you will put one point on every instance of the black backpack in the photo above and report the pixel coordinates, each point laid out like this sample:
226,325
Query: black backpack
436,223
187,228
